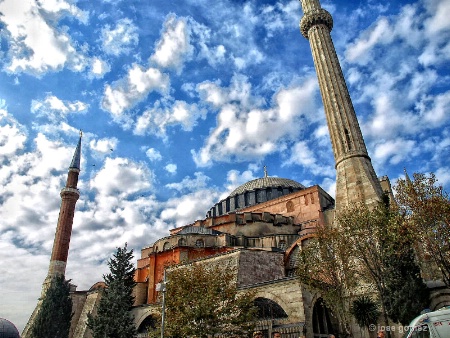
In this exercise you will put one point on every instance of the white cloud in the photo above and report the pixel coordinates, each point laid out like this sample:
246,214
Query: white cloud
99,68
191,184
174,46
102,147
394,151
186,209
360,50
36,47
128,91
121,177
245,132
55,109
158,119
153,154
301,154
439,11
235,178
171,168
443,176
121,39
12,137
435,109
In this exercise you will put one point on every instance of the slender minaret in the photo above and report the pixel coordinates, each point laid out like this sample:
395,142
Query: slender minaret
356,180
69,196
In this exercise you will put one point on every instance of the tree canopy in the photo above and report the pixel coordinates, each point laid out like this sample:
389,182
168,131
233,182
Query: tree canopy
386,251
204,300
426,207
113,318
55,314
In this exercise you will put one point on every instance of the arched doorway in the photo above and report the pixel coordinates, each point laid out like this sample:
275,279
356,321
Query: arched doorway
323,322
147,324
268,309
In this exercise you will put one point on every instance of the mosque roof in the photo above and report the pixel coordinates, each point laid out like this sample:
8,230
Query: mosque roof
7,329
266,182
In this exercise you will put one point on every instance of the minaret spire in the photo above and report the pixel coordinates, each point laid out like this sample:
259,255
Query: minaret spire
69,196
356,180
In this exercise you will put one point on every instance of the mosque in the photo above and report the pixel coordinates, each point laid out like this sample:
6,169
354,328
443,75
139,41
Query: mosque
260,227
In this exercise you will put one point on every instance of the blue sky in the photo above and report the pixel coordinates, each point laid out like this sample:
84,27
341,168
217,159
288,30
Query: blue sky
182,101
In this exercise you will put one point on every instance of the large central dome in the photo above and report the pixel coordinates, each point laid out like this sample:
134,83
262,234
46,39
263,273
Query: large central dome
267,182
254,192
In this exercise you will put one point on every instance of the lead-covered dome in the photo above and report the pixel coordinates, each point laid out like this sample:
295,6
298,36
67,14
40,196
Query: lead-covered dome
266,182
255,192
7,329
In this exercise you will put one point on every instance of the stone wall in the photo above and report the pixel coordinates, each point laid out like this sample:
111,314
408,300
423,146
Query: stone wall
89,306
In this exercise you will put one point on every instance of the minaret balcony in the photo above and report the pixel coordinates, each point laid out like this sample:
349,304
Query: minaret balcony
69,191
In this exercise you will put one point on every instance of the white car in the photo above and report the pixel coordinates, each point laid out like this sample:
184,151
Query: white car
434,324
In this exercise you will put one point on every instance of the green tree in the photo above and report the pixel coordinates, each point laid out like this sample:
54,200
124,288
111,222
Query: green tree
405,292
113,318
53,319
382,245
326,265
426,207
204,300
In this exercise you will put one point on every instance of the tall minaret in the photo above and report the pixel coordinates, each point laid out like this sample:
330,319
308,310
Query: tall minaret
356,180
69,196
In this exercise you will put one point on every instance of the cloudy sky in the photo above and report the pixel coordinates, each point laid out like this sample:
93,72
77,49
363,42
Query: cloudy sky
182,101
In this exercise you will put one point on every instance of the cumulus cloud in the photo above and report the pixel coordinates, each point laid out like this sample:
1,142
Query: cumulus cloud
103,147
186,209
153,154
158,119
171,168
98,68
55,109
301,154
121,176
189,184
128,91
12,136
174,46
245,131
120,39
389,150
36,46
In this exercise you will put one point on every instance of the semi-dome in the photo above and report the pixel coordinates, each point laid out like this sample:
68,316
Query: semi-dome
254,192
7,329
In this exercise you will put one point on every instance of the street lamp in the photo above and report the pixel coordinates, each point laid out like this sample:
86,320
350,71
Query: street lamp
162,287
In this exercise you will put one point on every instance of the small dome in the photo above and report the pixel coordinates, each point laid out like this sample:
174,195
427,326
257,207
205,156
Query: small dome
7,329
266,182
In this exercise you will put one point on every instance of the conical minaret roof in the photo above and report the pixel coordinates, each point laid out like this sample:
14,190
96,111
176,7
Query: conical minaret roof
75,164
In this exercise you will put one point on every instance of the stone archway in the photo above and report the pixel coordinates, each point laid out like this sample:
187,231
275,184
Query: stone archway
323,321
147,324
269,309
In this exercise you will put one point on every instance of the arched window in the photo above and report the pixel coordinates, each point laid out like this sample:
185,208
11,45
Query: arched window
268,309
199,243
322,322
290,206
182,242
282,244
166,246
149,323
